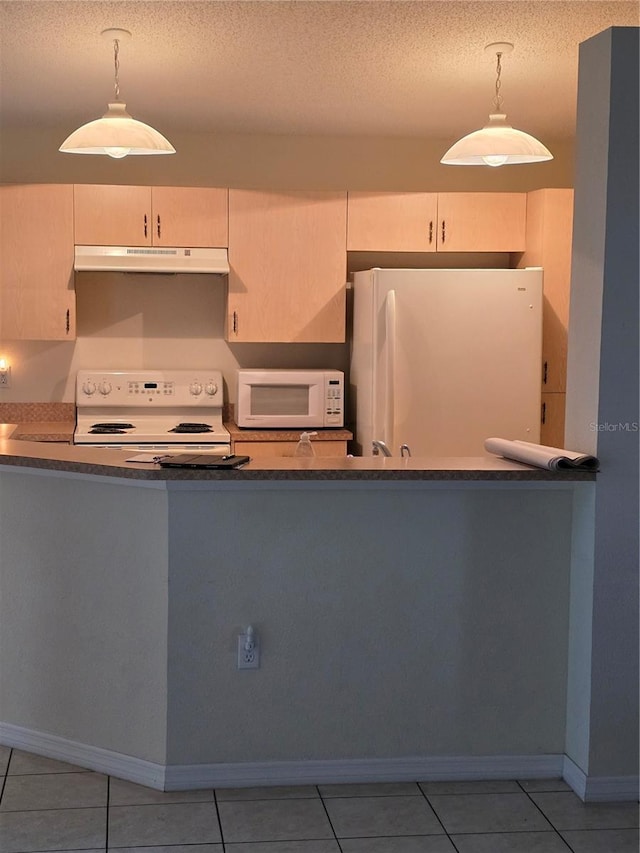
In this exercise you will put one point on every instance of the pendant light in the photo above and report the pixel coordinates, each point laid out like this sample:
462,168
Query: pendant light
497,143
116,133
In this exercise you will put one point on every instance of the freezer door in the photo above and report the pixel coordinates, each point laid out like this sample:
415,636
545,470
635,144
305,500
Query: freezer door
457,357
361,376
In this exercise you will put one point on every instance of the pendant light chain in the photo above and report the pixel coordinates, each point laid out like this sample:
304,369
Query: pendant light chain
498,99
116,63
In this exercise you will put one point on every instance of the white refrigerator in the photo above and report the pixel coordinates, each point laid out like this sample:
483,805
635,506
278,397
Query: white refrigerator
444,358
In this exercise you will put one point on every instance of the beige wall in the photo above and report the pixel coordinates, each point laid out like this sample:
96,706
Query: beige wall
155,322
147,321
30,155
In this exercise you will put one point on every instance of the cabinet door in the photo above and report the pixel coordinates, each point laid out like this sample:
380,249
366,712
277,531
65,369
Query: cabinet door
552,421
107,215
391,222
190,216
481,222
549,235
287,254
37,299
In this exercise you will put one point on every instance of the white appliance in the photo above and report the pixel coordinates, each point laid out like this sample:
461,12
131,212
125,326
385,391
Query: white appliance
150,259
443,359
151,410
290,399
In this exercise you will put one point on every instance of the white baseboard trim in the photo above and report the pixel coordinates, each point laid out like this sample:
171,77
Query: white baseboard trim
600,789
410,769
245,774
575,778
83,755
183,777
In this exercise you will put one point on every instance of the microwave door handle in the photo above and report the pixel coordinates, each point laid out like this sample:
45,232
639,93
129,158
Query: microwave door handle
390,365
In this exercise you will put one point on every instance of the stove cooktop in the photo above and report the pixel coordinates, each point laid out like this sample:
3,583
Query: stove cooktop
168,407
145,429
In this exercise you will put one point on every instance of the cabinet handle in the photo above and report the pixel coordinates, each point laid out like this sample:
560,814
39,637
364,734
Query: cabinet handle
545,371
543,418
68,321
158,225
145,225
235,322
430,231
444,231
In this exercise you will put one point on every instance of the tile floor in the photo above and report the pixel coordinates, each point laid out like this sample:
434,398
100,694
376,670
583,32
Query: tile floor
46,805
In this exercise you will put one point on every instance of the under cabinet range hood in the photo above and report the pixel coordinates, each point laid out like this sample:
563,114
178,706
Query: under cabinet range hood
150,259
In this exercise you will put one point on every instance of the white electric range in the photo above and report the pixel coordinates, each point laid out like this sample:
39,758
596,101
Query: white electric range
151,410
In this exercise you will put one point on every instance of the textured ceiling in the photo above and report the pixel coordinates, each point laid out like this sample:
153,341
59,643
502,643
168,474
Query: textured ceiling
389,68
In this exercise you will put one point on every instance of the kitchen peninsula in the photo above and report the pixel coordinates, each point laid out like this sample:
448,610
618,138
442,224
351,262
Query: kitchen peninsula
402,597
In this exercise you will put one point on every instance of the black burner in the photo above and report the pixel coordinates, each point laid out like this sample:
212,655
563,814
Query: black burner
192,428
102,430
112,425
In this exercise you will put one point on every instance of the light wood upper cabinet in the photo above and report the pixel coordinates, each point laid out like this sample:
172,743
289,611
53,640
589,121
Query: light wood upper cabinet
442,222
481,222
392,222
287,254
190,216
108,215
37,297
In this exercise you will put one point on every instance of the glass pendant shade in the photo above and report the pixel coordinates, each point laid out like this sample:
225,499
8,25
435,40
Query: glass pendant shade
118,135
496,144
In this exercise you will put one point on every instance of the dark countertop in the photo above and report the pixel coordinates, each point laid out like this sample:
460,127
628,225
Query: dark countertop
112,463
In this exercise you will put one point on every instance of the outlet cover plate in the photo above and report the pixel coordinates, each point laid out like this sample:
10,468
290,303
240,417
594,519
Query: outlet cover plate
248,659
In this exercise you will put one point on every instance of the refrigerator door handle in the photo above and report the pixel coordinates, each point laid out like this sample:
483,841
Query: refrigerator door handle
390,333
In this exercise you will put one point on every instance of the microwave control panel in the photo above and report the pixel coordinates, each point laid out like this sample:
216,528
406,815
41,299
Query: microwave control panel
334,400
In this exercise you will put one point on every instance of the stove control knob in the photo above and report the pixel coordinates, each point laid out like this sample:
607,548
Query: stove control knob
104,388
195,389
88,387
211,389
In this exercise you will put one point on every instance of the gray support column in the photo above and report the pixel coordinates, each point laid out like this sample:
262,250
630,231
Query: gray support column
602,417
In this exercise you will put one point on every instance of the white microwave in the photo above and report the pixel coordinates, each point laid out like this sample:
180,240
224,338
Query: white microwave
290,399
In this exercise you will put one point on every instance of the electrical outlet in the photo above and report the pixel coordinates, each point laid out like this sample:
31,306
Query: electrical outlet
5,377
248,651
